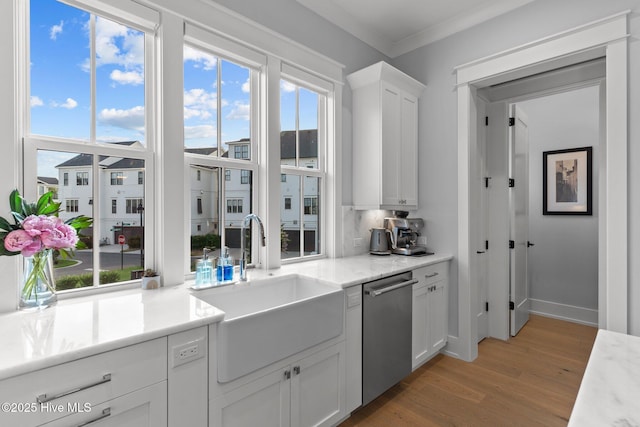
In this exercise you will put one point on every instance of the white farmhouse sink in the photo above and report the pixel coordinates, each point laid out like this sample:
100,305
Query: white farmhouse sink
270,319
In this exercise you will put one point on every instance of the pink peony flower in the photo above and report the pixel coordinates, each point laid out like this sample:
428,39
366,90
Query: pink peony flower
35,225
20,240
62,236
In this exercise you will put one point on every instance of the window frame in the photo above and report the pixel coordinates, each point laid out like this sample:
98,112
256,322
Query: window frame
324,91
224,49
145,20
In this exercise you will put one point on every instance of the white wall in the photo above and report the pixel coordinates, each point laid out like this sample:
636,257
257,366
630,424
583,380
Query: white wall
433,65
563,264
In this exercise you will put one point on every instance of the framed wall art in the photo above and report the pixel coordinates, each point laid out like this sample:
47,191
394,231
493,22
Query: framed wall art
567,182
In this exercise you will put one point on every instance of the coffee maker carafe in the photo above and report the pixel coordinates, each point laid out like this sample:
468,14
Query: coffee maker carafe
404,235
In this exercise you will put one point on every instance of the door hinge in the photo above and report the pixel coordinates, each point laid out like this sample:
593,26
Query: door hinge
512,306
486,306
486,120
486,245
512,182
486,181
512,121
512,244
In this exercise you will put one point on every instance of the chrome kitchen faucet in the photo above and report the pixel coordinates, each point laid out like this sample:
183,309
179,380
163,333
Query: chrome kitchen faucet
246,222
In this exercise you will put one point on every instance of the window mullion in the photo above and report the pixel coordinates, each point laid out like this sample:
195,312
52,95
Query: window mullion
93,76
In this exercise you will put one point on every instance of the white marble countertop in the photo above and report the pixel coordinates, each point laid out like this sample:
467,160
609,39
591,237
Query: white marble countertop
87,325
610,390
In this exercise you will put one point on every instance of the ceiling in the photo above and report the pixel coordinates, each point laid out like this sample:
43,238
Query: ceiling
395,27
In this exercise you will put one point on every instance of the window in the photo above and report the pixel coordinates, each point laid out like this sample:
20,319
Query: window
86,116
302,117
133,205
117,178
82,178
218,126
311,206
71,205
241,151
234,206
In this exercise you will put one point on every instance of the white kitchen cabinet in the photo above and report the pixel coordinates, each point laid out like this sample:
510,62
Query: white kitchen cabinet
430,312
305,392
385,138
142,408
77,389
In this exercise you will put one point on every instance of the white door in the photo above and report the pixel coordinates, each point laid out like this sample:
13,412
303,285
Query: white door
480,217
519,221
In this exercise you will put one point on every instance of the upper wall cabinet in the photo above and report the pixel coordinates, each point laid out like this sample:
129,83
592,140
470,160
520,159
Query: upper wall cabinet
385,138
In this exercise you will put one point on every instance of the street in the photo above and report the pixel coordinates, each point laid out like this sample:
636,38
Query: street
110,259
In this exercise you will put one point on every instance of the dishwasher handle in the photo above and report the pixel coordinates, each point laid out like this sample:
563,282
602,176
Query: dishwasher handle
378,292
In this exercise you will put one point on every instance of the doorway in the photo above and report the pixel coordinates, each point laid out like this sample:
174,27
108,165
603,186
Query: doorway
551,267
605,38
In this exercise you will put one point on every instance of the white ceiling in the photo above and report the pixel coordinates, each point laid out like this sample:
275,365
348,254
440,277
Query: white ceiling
395,27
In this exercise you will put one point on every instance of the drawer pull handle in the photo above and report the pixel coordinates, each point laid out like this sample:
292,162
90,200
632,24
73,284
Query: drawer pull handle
105,413
428,276
43,398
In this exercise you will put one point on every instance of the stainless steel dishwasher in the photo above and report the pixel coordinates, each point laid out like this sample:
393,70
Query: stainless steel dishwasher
386,333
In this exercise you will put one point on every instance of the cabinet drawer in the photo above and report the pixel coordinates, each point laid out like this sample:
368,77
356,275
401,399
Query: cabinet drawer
55,392
431,274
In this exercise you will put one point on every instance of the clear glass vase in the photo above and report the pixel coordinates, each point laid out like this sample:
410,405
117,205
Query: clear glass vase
38,284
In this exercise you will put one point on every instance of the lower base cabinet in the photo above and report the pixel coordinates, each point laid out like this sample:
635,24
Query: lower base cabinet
307,392
142,408
430,313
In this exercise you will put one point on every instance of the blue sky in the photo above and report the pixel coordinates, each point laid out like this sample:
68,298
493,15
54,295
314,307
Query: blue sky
60,85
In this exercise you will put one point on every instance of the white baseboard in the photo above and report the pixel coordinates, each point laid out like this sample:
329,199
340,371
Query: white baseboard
570,313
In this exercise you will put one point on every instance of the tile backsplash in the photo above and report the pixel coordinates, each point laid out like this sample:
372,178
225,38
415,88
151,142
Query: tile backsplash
356,228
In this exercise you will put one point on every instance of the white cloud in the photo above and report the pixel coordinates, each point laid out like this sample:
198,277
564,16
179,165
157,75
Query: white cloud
285,86
36,101
246,86
117,44
127,77
69,104
201,131
55,30
198,103
240,111
201,59
132,118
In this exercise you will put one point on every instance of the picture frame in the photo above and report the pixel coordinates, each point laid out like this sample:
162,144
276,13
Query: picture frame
567,181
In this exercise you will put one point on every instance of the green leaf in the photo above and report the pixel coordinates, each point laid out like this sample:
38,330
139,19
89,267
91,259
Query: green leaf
80,222
18,217
15,201
51,209
44,201
5,225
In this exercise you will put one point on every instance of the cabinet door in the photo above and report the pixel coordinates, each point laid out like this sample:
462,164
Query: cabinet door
420,338
317,388
264,402
390,143
437,315
408,164
145,407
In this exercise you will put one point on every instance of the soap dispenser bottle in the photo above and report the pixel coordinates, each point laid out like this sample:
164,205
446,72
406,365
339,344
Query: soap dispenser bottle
228,266
204,269
224,270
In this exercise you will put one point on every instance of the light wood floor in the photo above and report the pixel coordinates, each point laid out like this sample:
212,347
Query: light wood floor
530,380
